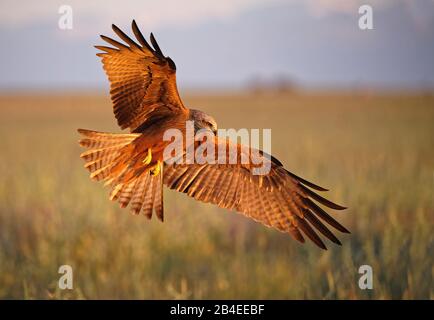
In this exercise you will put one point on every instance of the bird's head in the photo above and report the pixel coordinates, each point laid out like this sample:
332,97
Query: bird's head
203,121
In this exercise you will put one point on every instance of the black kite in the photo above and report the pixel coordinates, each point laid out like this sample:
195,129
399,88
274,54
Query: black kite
146,100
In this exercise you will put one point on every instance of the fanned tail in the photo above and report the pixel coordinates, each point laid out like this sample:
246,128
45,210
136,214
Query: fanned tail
113,159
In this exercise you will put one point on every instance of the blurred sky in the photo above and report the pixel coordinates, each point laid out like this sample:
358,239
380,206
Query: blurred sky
225,44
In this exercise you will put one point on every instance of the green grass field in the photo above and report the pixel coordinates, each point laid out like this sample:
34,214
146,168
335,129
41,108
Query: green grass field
375,153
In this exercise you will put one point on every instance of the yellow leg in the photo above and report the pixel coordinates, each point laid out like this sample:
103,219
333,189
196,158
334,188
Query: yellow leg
148,157
155,170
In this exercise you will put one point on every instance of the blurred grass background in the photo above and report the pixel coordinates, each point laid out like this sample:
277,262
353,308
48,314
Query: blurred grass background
374,151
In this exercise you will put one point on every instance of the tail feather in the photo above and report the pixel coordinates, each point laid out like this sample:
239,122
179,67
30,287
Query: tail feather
126,194
148,202
99,154
158,200
101,173
111,158
95,139
139,195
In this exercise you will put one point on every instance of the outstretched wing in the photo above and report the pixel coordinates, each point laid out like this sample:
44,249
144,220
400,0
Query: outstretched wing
142,80
278,199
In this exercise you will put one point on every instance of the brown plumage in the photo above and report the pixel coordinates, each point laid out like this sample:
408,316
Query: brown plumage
146,100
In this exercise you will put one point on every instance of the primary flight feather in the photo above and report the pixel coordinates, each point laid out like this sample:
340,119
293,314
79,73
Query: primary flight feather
146,100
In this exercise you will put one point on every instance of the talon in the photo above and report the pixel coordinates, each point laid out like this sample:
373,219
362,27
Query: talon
148,157
155,170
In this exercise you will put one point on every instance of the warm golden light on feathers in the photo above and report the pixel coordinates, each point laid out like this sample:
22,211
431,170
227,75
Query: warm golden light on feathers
146,100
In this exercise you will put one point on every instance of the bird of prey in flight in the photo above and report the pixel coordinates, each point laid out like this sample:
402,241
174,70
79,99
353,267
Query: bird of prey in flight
146,101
